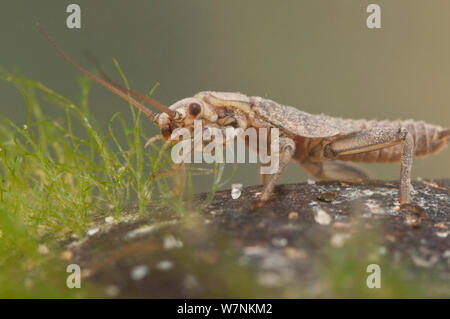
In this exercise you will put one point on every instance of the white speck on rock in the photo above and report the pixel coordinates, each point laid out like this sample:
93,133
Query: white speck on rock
279,242
338,239
164,265
374,207
139,272
255,250
236,190
321,217
367,192
423,262
442,234
140,231
170,242
311,181
109,220
92,231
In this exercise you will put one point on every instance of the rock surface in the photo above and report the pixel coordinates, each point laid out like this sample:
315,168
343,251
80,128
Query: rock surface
310,240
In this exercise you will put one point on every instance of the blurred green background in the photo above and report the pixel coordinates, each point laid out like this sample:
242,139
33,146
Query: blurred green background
318,56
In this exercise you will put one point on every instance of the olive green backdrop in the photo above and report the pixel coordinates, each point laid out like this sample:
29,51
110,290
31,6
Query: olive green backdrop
316,55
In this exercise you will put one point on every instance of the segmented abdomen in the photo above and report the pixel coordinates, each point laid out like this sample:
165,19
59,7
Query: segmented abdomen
428,139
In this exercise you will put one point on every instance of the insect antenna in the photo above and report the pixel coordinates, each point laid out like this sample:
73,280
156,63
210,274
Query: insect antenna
110,86
132,92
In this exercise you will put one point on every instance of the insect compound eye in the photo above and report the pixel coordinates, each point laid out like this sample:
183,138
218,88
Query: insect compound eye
194,110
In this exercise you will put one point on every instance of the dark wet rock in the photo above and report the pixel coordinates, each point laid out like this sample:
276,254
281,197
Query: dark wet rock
294,246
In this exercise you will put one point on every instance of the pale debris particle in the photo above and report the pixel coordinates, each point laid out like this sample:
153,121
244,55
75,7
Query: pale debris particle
190,282
442,234
140,231
269,279
446,254
85,273
294,253
164,265
311,181
66,255
139,272
213,212
236,190
423,262
327,197
112,291
92,231
338,240
293,215
374,207
382,250
279,242
109,220
342,225
255,250
42,249
367,192
390,237
170,242
321,217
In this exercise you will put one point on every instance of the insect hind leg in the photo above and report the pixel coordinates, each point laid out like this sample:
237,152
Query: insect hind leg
375,139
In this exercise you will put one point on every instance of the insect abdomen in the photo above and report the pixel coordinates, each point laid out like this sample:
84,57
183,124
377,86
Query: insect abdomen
428,139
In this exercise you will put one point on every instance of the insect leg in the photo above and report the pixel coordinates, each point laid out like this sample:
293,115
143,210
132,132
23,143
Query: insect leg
334,171
263,178
374,139
179,178
287,150
153,139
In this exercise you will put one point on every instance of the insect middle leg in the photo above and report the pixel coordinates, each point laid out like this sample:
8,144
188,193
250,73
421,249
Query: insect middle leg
287,150
375,139
334,171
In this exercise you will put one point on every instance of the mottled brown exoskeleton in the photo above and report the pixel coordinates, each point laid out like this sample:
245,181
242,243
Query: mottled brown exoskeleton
320,143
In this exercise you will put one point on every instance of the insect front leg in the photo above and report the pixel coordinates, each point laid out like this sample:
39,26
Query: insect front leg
287,150
375,139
